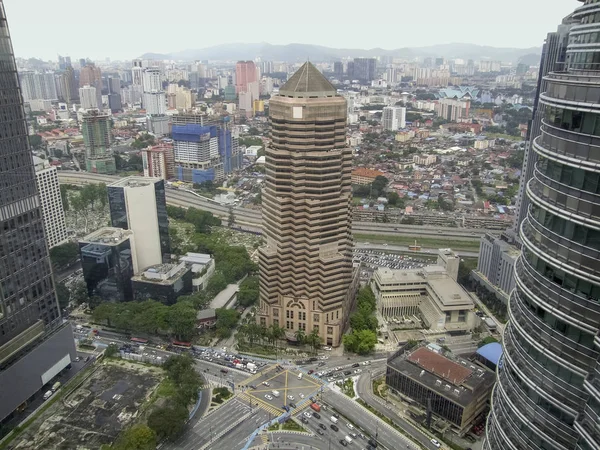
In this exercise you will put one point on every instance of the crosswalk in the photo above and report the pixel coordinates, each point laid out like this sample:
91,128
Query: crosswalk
255,401
257,375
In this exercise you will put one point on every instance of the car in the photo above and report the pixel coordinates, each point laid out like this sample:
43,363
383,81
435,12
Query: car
252,386
322,426
436,443
334,427
312,399
304,420
310,372
322,363
347,372
336,415
266,384
316,415
385,244
307,414
355,365
357,371
290,397
327,349
349,425
268,397
292,405
343,442
286,408
301,395
354,435
321,432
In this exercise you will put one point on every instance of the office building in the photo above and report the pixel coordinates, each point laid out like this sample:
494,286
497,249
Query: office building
245,73
306,273
364,69
35,344
163,283
88,97
338,69
547,393
138,204
428,293
50,199
91,75
393,118
95,128
154,100
202,266
159,161
108,260
204,150
38,85
457,391
497,257
114,94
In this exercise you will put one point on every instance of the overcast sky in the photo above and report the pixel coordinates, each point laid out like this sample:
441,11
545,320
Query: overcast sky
125,29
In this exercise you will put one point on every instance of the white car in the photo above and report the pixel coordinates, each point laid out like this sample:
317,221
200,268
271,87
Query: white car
307,415
266,384
327,349
436,443
349,425
291,397
324,357
357,371
268,397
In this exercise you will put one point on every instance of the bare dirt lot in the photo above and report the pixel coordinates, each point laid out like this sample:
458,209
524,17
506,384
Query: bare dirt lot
96,412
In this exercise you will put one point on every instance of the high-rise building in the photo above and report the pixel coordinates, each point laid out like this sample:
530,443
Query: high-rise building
204,150
393,118
95,128
496,262
137,72
109,261
51,201
91,75
38,85
159,161
154,99
138,204
350,70
306,274
35,344
548,388
88,97
338,69
68,85
364,69
245,73
114,94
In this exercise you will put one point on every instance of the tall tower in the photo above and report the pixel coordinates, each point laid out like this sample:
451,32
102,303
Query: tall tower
34,343
91,75
95,128
306,264
548,387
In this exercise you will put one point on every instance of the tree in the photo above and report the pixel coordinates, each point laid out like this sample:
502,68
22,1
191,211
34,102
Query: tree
35,140
231,218
182,320
395,200
137,437
79,293
248,294
64,196
216,283
227,319
64,254
300,336
313,339
378,185
361,342
168,421
63,295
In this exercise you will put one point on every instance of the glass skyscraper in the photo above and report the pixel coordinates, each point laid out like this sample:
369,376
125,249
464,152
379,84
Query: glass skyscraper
34,343
548,391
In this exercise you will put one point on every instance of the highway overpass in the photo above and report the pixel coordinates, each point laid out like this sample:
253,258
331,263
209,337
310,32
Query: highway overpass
252,218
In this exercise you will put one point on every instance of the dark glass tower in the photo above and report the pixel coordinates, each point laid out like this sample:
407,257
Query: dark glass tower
548,391
32,338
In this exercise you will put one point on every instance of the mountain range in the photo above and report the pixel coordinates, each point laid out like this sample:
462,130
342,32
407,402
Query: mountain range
302,52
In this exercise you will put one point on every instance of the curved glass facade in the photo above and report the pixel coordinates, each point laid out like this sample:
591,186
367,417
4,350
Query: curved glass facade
548,391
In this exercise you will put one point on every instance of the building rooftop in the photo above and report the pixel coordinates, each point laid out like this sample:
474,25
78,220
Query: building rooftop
307,81
162,273
206,314
134,181
367,173
108,236
492,352
196,258
439,365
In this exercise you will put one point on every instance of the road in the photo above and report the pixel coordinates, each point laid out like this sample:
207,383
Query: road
365,392
254,217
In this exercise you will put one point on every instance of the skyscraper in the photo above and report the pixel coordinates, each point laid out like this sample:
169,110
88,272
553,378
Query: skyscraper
245,73
34,343
51,201
91,75
99,157
88,97
548,391
306,275
393,118
338,69
138,204
364,69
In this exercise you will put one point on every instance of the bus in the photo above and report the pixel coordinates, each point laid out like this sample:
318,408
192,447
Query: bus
139,340
181,344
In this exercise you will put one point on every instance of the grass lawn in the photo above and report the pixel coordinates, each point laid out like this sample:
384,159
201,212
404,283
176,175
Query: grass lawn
466,245
291,426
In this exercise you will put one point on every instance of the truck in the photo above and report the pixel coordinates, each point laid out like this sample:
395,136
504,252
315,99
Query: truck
316,407
275,393
251,366
47,395
55,386
239,366
334,419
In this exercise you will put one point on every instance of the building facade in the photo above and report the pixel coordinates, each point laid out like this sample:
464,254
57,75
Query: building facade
496,262
306,273
159,162
245,73
153,99
365,176
91,75
138,204
393,118
53,213
364,69
108,260
35,345
38,85
163,283
547,392
95,128
88,97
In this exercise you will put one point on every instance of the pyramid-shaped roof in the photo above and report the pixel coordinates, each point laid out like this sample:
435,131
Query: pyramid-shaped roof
307,81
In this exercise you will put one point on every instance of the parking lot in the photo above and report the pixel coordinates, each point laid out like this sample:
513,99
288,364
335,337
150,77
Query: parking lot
378,258
279,388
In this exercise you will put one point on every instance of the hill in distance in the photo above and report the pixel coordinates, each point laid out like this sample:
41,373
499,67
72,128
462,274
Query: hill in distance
302,52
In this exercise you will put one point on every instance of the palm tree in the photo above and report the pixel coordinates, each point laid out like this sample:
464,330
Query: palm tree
300,336
314,339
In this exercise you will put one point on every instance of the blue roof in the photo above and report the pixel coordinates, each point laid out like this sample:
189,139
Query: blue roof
492,352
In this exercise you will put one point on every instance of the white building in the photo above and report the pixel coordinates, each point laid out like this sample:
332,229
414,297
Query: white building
203,267
138,204
36,85
88,97
393,118
154,99
53,213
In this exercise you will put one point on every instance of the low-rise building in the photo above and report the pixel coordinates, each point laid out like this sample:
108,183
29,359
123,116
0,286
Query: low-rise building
365,176
206,318
456,391
163,283
424,160
202,266
428,292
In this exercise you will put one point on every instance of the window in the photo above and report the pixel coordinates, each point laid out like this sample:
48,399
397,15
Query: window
315,317
329,330
275,312
291,314
287,314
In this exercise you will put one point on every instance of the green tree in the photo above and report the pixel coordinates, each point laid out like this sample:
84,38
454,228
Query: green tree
227,319
137,437
63,295
64,196
313,339
361,342
35,140
395,200
300,336
79,293
379,185
64,254
231,218
182,320
168,421
216,283
249,291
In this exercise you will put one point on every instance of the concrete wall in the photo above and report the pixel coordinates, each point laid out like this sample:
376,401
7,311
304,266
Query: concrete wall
143,221
24,378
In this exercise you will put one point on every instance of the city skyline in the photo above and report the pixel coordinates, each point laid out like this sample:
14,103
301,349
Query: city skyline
533,21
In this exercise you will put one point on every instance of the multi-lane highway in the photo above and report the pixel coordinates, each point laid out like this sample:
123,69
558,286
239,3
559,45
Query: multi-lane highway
253,218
